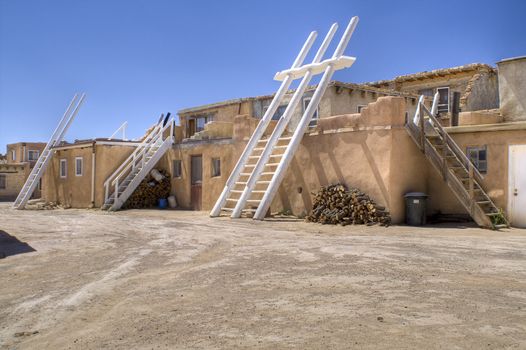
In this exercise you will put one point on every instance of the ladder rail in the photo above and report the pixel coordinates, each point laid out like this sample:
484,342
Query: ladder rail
40,166
131,157
139,155
280,127
261,127
303,124
466,196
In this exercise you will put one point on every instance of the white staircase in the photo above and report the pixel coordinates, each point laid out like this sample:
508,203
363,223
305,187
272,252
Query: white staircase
120,185
47,153
257,176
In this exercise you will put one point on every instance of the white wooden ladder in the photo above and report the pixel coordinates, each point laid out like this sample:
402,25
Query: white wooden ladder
120,185
264,162
43,161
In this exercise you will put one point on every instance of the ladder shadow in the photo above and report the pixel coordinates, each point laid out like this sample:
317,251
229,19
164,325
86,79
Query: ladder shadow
10,245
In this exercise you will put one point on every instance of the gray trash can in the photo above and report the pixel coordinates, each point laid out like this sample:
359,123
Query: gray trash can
415,208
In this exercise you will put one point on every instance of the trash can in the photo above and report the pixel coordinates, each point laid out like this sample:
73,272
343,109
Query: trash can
163,203
415,208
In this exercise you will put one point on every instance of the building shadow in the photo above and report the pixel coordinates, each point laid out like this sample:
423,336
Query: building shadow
10,245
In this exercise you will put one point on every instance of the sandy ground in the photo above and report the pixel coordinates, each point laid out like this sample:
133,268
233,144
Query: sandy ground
175,279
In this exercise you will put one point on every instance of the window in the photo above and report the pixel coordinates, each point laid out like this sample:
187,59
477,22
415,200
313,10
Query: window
279,112
196,124
360,107
63,168
13,155
177,168
3,183
79,166
216,167
426,92
479,157
443,100
32,155
306,102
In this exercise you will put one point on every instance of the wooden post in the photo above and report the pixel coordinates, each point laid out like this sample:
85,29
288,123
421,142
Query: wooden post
471,188
422,130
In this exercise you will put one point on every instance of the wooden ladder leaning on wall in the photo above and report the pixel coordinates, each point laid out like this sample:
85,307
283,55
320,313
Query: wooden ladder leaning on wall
461,176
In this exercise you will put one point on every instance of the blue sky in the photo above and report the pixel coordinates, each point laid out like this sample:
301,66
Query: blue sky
137,59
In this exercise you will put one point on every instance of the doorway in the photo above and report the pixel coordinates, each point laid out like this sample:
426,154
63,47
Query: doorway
517,185
196,182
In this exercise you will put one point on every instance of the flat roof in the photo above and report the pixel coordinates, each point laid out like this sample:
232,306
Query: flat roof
518,58
354,86
434,73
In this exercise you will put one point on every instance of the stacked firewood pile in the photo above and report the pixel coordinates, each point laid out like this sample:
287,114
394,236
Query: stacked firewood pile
336,204
149,192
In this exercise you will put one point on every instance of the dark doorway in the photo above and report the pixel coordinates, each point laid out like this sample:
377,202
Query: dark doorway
196,181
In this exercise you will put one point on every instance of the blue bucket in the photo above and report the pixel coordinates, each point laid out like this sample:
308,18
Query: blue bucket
163,203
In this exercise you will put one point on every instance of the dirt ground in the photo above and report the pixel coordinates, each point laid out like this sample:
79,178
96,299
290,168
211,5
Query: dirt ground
85,279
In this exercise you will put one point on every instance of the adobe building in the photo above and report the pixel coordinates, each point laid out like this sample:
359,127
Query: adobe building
359,137
16,166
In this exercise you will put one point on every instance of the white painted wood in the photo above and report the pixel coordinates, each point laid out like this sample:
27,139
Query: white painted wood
135,168
316,68
303,124
260,129
122,128
47,153
280,127
517,185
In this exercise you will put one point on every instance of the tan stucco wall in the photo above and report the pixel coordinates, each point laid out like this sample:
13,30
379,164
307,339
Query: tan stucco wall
225,150
370,151
490,116
15,176
75,191
512,88
22,150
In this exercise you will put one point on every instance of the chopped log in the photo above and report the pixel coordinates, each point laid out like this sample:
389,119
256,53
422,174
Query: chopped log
148,193
336,204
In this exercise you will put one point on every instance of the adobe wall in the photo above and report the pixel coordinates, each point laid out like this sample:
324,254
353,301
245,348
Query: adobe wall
512,88
15,177
225,150
371,151
75,191
22,150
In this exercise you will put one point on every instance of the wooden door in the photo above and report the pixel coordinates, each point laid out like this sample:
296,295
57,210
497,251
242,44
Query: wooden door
196,181
517,185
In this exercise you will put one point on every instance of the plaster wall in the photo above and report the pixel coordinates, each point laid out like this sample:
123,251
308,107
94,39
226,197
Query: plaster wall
15,177
512,88
75,191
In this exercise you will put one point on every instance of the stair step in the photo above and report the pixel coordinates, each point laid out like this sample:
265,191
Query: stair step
276,155
245,174
272,164
236,191
254,157
241,183
483,202
492,214
268,173
500,226
227,209
263,182
259,191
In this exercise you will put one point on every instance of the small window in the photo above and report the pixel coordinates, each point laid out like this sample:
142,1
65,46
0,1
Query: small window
360,107
279,112
79,166
63,168
479,157
13,155
443,100
306,102
32,155
216,167
177,168
426,92
3,183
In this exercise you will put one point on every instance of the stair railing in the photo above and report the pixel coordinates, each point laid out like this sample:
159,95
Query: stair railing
139,154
